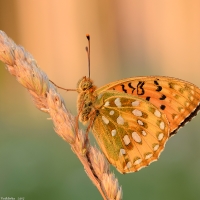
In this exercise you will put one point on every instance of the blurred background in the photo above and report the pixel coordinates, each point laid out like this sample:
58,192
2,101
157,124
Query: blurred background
128,38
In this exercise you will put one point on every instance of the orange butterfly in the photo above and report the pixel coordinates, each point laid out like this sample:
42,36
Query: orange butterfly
132,119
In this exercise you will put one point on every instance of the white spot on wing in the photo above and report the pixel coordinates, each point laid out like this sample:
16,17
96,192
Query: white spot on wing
155,148
126,140
140,122
122,151
129,165
113,132
162,125
137,113
187,104
135,103
120,120
176,117
191,98
144,133
160,136
105,120
136,137
148,156
112,112
118,102
107,103
157,113
138,161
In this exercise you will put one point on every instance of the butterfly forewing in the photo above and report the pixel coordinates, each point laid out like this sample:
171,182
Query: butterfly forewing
178,99
131,131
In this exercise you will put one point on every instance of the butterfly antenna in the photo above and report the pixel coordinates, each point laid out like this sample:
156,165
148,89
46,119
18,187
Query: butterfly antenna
62,87
88,55
88,52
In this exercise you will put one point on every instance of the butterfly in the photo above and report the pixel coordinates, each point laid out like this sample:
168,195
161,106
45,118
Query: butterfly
133,118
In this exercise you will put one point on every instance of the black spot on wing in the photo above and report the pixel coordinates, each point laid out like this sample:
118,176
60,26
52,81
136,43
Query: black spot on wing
163,97
130,86
162,107
148,98
159,88
156,83
123,88
140,89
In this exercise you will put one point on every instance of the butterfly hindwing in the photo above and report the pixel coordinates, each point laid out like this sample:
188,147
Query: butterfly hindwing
131,131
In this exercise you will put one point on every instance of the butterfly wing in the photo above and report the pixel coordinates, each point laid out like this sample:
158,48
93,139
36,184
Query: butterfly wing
178,99
131,131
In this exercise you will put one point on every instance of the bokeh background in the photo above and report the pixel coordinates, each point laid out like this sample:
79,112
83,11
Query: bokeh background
128,38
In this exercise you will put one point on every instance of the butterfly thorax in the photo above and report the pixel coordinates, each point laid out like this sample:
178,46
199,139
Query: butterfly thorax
86,99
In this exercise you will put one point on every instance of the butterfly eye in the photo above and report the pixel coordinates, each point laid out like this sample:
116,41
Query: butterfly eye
86,85
88,104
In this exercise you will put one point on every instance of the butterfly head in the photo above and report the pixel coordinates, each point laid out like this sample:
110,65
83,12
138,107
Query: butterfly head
84,85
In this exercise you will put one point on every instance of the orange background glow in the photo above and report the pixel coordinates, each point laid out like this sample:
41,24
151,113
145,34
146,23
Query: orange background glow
128,38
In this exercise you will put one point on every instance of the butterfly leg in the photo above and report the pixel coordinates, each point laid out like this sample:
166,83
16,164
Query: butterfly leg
92,117
77,120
